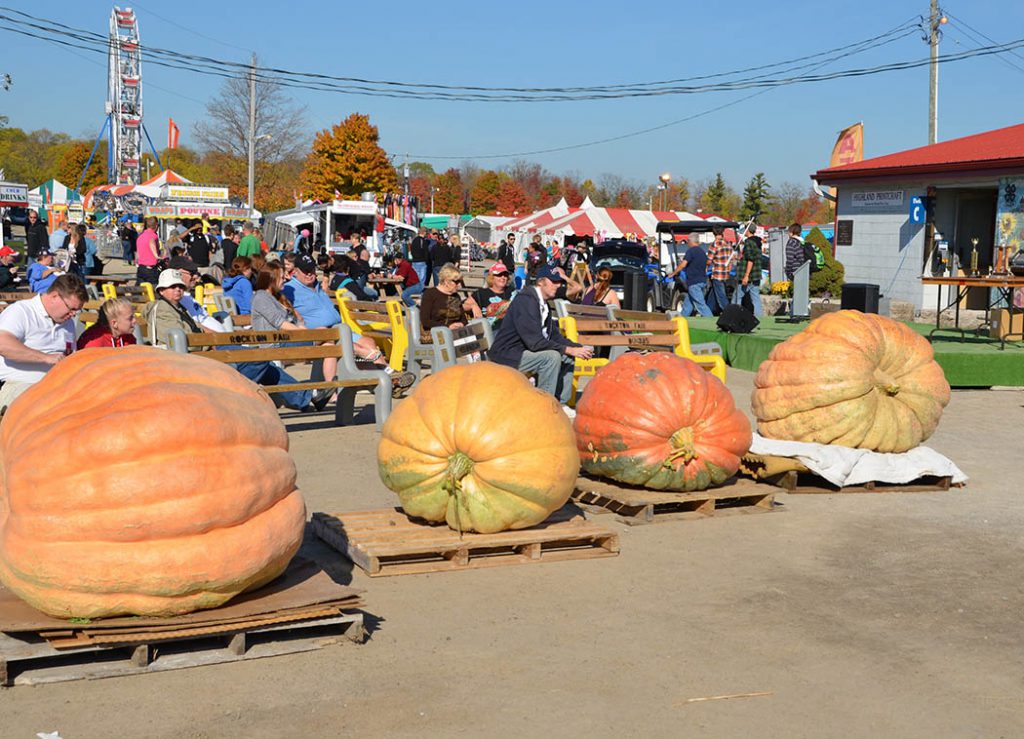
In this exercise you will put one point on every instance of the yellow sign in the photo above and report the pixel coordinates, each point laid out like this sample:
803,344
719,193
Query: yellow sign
849,146
195,192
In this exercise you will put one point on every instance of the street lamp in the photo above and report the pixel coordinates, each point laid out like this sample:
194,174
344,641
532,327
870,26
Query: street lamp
663,181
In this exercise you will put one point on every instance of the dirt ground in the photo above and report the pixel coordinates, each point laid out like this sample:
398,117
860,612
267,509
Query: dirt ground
863,615
896,615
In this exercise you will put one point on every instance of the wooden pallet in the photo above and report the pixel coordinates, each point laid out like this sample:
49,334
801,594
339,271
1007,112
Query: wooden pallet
386,542
637,506
33,658
807,482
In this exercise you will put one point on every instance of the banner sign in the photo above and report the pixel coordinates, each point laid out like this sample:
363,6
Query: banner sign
849,146
160,211
13,195
239,213
877,199
1010,213
356,206
195,192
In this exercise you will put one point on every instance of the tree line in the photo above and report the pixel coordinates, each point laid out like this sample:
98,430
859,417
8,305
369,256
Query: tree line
347,159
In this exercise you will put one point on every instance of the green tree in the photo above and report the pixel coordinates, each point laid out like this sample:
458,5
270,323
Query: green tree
755,197
714,198
349,159
829,279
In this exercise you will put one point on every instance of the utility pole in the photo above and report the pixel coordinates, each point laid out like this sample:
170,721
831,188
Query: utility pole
935,19
250,200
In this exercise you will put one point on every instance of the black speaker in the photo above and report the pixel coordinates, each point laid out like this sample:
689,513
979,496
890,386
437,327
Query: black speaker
860,296
634,291
736,319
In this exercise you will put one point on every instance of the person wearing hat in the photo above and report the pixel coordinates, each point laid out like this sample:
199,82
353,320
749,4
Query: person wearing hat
8,268
318,310
529,339
42,272
190,276
495,298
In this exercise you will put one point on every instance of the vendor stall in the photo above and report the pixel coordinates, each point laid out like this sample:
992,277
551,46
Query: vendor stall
12,195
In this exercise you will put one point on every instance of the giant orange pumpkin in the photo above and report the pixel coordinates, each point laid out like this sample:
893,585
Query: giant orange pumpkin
478,447
660,421
141,481
853,379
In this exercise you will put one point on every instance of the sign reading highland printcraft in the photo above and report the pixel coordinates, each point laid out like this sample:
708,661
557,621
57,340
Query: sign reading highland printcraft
877,199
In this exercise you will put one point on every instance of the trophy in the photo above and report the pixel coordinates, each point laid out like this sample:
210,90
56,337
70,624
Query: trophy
974,256
1001,254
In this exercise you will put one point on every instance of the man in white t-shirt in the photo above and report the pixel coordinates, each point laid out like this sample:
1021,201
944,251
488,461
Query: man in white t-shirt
36,334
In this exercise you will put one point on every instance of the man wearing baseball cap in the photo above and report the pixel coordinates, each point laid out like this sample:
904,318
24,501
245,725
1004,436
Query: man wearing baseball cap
529,339
8,268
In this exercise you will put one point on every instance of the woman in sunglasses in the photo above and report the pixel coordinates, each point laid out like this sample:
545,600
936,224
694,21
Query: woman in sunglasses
443,306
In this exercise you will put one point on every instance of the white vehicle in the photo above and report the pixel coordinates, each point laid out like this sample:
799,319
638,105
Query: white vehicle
332,225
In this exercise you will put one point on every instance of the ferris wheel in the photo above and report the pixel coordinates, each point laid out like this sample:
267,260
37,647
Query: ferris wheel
124,98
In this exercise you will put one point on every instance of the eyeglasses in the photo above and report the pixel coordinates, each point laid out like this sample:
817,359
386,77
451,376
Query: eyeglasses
71,311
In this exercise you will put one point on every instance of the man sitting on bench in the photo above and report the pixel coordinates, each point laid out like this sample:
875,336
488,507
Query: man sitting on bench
529,339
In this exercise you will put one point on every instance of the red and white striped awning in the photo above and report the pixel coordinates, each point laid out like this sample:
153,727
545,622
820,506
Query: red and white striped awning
614,222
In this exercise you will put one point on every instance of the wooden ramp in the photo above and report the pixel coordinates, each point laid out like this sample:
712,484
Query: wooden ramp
386,542
637,506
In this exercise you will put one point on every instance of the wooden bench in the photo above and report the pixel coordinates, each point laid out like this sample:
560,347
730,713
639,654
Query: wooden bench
13,297
469,342
418,353
647,335
564,308
382,321
705,349
294,346
142,293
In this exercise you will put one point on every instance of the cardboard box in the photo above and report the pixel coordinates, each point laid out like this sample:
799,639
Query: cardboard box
1000,324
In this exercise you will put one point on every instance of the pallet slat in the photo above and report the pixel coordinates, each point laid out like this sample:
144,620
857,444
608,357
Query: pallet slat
386,542
800,483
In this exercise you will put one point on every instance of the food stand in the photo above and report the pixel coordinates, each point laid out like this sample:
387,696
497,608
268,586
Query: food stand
12,195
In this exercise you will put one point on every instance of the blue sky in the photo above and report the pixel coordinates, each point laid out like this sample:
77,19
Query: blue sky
786,133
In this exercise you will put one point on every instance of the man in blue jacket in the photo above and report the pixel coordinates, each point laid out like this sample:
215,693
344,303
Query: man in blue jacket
529,339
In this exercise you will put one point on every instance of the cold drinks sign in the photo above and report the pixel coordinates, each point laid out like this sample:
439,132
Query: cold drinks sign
877,199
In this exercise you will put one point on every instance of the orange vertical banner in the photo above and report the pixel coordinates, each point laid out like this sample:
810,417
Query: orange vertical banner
172,134
849,146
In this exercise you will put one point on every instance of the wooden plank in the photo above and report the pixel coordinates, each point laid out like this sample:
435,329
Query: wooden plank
29,663
237,338
368,305
588,325
634,505
369,317
385,542
286,353
810,484
627,340
299,386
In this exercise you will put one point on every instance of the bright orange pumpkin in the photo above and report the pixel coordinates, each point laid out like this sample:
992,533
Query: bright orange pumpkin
853,379
142,481
660,421
478,447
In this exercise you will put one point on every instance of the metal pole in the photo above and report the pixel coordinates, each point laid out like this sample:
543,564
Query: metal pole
250,200
933,73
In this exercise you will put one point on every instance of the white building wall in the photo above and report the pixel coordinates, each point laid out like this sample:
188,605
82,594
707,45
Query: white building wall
887,249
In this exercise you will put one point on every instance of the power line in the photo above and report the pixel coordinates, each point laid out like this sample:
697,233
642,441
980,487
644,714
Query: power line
974,36
987,38
189,30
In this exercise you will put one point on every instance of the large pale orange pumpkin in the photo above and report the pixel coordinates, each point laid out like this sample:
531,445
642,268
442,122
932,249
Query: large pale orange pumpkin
660,421
853,379
141,481
478,447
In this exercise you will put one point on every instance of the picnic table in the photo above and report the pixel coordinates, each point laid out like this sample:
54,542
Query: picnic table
103,279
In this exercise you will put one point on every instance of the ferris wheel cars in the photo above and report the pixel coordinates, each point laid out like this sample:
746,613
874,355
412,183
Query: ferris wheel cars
124,97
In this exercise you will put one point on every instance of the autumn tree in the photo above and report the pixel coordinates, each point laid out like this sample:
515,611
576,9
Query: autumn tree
785,203
512,198
349,159
71,160
483,198
755,197
449,195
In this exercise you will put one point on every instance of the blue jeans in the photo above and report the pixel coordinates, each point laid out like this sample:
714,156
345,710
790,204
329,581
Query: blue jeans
409,292
754,291
435,273
553,370
265,373
420,268
718,299
694,301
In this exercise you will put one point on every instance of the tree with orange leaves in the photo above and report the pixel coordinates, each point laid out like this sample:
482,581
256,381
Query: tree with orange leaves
347,158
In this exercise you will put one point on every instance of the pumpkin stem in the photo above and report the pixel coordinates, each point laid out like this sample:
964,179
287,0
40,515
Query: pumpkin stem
459,465
886,383
682,441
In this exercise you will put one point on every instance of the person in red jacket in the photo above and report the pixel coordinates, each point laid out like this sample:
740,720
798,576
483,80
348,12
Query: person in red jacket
113,328
403,268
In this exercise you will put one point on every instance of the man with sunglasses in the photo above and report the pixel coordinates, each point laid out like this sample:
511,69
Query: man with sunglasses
37,240
36,334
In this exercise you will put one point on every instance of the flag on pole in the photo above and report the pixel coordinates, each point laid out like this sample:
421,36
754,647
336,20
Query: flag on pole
337,195
172,134
849,146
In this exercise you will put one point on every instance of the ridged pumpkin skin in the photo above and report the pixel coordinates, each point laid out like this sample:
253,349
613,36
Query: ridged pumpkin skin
660,421
478,447
142,481
853,379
